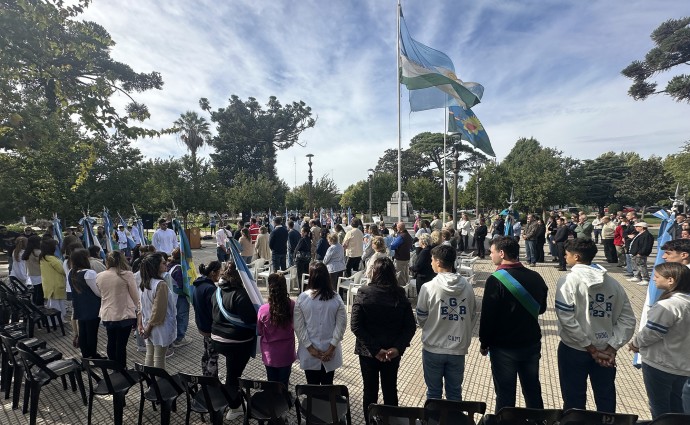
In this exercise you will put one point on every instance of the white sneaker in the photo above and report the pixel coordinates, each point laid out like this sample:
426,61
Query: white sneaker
169,353
633,279
643,283
181,343
234,414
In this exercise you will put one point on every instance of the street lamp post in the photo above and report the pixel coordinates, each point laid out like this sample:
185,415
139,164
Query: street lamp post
311,180
476,204
371,177
456,154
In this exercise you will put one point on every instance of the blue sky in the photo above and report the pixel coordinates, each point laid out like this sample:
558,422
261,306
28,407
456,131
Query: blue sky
550,69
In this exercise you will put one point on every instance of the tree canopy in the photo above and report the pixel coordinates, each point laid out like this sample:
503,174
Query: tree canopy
672,48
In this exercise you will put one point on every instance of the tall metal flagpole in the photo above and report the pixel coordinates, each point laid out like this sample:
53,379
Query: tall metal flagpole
397,71
445,131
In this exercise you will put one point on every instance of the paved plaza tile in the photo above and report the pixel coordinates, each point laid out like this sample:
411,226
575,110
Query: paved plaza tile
64,407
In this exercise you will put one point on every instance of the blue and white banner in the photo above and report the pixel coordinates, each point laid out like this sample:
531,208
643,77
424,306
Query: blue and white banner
246,276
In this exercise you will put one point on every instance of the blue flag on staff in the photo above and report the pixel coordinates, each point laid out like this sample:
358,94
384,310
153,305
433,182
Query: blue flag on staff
430,77
666,229
467,125
130,241
186,261
89,238
109,230
57,235
349,216
246,276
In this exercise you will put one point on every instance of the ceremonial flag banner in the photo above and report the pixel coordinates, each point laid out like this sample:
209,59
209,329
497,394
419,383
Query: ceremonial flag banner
464,122
108,226
246,276
57,235
186,261
653,293
432,74
130,241
89,238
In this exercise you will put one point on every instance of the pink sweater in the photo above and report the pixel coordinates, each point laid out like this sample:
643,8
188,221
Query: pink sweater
277,343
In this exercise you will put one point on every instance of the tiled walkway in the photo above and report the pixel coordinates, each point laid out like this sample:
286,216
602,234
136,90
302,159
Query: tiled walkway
60,407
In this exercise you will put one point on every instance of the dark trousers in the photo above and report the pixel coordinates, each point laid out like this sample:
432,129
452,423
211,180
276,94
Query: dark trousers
539,249
279,261
352,264
118,335
509,363
88,337
334,278
560,250
481,251
465,242
236,359
610,251
37,296
664,390
222,255
574,366
319,377
302,267
279,374
371,369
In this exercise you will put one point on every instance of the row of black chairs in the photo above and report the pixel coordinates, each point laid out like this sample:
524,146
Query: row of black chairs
16,306
440,412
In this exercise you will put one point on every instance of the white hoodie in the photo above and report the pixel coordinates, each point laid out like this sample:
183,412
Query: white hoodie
664,342
593,309
446,312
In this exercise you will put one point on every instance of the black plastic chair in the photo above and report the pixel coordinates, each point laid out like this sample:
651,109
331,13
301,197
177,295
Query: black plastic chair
323,404
19,287
671,419
446,412
270,401
12,367
523,415
586,417
108,378
161,388
42,314
39,373
205,394
381,414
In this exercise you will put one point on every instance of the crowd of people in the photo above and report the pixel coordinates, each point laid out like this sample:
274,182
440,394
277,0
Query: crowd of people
144,291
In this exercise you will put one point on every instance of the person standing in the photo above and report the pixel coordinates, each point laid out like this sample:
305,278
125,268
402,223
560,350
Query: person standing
640,248
597,227
464,228
277,242
182,299
384,325
31,256
402,246
446,312
595,320
514,297
608,230
204,290
86,300
119,301
164,239
583,229
354,247
223,244
334,259
275,327
246,247
53,277
302,253
320,322
663,341
480,233
261,248
529,234
540,240
560,239
619,241
422,266
293,240
212,225
253,229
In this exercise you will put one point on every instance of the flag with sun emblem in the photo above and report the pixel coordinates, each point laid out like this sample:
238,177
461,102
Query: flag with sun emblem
464,122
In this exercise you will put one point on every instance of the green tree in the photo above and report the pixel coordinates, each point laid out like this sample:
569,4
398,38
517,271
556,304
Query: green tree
356,196
425,193
249,136
256,193
324,195
194,131
409,163
677,166
66,63
646,183
601,178
672,48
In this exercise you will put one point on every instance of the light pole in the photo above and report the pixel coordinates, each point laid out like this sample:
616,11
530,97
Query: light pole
456,154
311,180
476,205
371,177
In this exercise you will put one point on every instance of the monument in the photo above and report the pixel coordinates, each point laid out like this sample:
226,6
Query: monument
392,210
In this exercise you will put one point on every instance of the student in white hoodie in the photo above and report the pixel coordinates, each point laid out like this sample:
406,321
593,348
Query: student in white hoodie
664,343
595,320
446,312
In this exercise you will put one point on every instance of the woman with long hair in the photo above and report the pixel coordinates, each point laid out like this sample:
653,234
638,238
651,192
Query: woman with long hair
119,301
663,341
275,327
31,256
261,248
86,301
204,289
18,264
246,245
53,277
182,303
302,254
157,324
233,331
320,322
384,325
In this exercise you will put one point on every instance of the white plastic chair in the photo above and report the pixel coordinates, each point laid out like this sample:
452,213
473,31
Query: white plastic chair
350,285
290,277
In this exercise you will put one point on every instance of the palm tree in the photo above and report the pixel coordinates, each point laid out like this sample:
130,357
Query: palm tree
194,131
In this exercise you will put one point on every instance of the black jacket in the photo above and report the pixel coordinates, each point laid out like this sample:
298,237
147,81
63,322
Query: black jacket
293,239
480,231
304,245
630,230
504,321
204,290
422,265
561,234
642,244
278,240
381,318
321,248
237,303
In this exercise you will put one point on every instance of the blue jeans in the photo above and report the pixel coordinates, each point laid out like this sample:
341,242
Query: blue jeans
290,260
222,255
664,390
443,367
182,316
278,261
574,366
628,264
531,252
509,363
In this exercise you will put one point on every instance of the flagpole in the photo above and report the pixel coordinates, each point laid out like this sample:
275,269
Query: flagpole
445,131
397,73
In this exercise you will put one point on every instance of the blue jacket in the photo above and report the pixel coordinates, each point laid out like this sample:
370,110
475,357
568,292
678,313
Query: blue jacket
278,240
204,289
